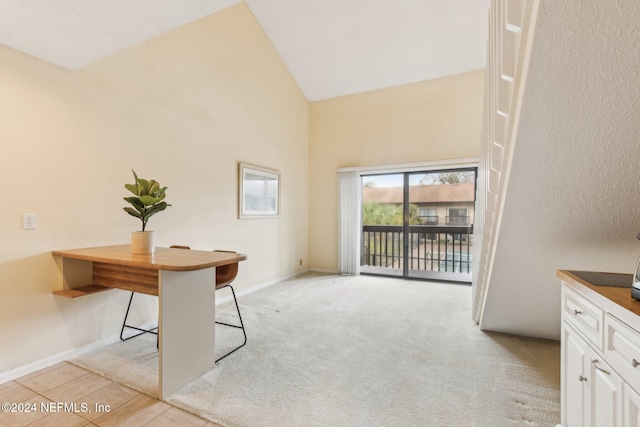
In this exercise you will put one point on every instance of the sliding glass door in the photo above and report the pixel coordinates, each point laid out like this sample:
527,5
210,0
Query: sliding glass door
419,224
383,223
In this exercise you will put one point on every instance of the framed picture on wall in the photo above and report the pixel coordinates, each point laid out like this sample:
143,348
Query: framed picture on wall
259,192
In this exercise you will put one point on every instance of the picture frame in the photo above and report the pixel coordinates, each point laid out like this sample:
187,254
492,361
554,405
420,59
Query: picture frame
259,192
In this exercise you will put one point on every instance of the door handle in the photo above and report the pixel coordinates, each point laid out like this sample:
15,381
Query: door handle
594,361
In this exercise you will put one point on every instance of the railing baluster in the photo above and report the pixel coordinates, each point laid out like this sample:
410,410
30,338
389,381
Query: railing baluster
410,254
416,245
379,251
398,240
363,253
386,247
400,248
470,251
393,249
439,240
424,252
396,249
418,250
373,250
432,252
375,241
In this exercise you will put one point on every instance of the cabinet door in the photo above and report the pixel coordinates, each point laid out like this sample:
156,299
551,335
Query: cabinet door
631,407
605,394
574,378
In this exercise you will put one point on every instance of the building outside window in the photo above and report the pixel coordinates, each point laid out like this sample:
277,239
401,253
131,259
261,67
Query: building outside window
458,216
429,216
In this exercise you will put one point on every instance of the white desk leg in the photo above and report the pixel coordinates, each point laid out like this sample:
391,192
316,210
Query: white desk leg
187,327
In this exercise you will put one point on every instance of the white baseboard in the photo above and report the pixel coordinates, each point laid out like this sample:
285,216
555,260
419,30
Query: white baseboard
56,358
79,351
324,270
228,298
63,356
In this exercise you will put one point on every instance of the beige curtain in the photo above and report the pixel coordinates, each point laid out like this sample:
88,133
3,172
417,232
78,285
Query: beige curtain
349,222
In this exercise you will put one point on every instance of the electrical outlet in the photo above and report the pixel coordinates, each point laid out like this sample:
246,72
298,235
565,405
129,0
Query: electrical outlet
29,221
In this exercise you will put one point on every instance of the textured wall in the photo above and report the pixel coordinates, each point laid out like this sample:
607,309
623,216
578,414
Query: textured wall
573,199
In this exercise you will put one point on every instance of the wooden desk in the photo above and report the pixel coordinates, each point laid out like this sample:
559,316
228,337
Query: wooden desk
184,280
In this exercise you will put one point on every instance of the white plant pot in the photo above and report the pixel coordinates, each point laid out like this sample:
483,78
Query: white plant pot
142,242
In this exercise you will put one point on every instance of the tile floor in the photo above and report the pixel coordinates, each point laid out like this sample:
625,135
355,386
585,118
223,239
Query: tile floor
66,395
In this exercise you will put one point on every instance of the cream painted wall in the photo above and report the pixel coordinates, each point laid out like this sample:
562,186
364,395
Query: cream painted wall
431,120
183,108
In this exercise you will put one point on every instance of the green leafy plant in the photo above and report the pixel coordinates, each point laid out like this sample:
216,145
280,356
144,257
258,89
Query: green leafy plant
148,199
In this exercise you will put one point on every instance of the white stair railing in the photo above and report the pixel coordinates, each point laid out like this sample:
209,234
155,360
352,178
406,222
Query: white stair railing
511,26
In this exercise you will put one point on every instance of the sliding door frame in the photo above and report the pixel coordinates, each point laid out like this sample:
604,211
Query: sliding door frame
347,254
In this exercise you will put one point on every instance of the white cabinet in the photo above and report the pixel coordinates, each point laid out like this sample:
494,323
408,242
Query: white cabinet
631,407
600,360
585,316
605,394
591,391
573,370
622,349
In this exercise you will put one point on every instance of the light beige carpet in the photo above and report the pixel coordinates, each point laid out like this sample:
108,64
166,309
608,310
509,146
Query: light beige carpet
358,351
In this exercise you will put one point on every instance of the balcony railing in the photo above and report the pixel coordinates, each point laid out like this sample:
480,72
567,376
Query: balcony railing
430,249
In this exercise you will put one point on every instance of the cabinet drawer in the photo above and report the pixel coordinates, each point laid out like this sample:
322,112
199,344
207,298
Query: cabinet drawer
622,350
585,316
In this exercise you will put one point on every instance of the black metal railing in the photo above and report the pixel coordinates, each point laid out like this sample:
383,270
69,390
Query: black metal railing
438,249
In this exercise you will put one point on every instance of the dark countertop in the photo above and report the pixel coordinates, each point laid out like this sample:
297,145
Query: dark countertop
598,278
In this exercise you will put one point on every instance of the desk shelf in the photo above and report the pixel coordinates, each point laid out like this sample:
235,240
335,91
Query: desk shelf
81,291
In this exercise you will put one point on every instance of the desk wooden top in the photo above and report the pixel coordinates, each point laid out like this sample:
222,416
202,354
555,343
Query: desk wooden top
620,296
171,259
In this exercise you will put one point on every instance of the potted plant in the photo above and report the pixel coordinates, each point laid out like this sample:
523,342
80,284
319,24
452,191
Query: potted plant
147,201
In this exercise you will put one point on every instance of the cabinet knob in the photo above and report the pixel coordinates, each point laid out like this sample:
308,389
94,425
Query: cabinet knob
635,363
581,378
576,311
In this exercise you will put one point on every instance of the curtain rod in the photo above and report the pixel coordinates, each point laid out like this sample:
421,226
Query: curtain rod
415,166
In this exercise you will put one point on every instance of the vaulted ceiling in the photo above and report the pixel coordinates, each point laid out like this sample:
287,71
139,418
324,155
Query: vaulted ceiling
331,47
